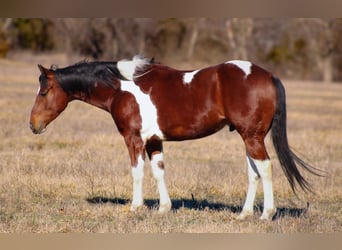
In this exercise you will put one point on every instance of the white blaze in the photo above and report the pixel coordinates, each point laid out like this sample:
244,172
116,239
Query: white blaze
148,111
245,66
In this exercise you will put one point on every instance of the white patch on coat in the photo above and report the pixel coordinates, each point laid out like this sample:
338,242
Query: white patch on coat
188,76
127,68
245,66
148,111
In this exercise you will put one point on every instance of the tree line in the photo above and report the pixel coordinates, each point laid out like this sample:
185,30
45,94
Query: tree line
301,48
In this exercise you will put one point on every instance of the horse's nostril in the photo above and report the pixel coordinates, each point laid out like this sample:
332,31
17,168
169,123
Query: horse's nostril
37,130
31,126
33,129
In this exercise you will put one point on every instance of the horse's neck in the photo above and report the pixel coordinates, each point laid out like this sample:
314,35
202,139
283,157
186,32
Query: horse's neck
100,96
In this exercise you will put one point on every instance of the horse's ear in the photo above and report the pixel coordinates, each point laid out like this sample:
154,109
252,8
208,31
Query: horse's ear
43,70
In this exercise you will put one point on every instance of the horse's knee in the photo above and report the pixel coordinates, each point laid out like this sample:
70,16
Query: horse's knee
138,170
157,165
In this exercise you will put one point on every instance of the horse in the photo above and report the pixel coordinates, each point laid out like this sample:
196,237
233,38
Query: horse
151,103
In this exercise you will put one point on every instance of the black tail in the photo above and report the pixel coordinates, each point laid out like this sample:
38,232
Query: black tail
287,158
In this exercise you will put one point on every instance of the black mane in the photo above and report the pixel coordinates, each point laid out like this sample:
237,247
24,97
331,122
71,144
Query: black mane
81,77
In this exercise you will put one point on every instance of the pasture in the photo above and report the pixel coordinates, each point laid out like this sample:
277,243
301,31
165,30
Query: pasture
76,177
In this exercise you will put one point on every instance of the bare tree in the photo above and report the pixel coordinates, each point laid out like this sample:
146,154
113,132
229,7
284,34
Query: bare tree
239,33
309,48
310,43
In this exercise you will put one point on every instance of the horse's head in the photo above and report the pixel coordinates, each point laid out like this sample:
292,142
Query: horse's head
50,101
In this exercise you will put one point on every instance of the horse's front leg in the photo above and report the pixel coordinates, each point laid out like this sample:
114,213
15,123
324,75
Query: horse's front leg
154,149
138,175
136,151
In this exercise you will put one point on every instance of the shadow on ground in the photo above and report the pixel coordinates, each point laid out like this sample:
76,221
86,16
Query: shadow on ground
203,205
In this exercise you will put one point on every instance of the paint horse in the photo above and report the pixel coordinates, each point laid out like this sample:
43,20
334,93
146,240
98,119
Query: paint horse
151,103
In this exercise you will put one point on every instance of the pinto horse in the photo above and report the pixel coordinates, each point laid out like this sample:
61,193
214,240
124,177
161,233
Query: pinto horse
151,103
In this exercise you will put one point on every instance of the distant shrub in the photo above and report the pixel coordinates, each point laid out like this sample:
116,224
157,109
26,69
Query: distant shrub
4,47
279,54
34,34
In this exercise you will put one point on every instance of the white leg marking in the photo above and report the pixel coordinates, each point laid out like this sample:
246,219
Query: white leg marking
265,170
158,173
253,180
127,68
188,76
138,174
148,111
245,66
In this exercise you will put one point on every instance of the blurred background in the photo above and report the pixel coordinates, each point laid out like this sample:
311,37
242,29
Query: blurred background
294,48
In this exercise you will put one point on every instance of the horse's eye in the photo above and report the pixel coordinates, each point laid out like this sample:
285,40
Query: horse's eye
43,92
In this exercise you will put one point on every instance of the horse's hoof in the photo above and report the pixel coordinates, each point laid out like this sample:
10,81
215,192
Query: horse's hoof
164,208
268,214
134,208
244,214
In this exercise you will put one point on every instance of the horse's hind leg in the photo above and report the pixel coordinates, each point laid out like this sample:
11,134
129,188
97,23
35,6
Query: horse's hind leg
253,181
264,168
154,150
259,167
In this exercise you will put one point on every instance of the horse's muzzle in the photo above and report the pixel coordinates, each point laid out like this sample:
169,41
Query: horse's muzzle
37,129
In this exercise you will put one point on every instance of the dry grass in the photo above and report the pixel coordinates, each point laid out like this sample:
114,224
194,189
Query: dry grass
76,176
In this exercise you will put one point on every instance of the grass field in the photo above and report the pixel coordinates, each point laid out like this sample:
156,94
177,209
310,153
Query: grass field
76,176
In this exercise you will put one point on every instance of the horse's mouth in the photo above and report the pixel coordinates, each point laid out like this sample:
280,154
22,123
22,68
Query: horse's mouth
41,129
